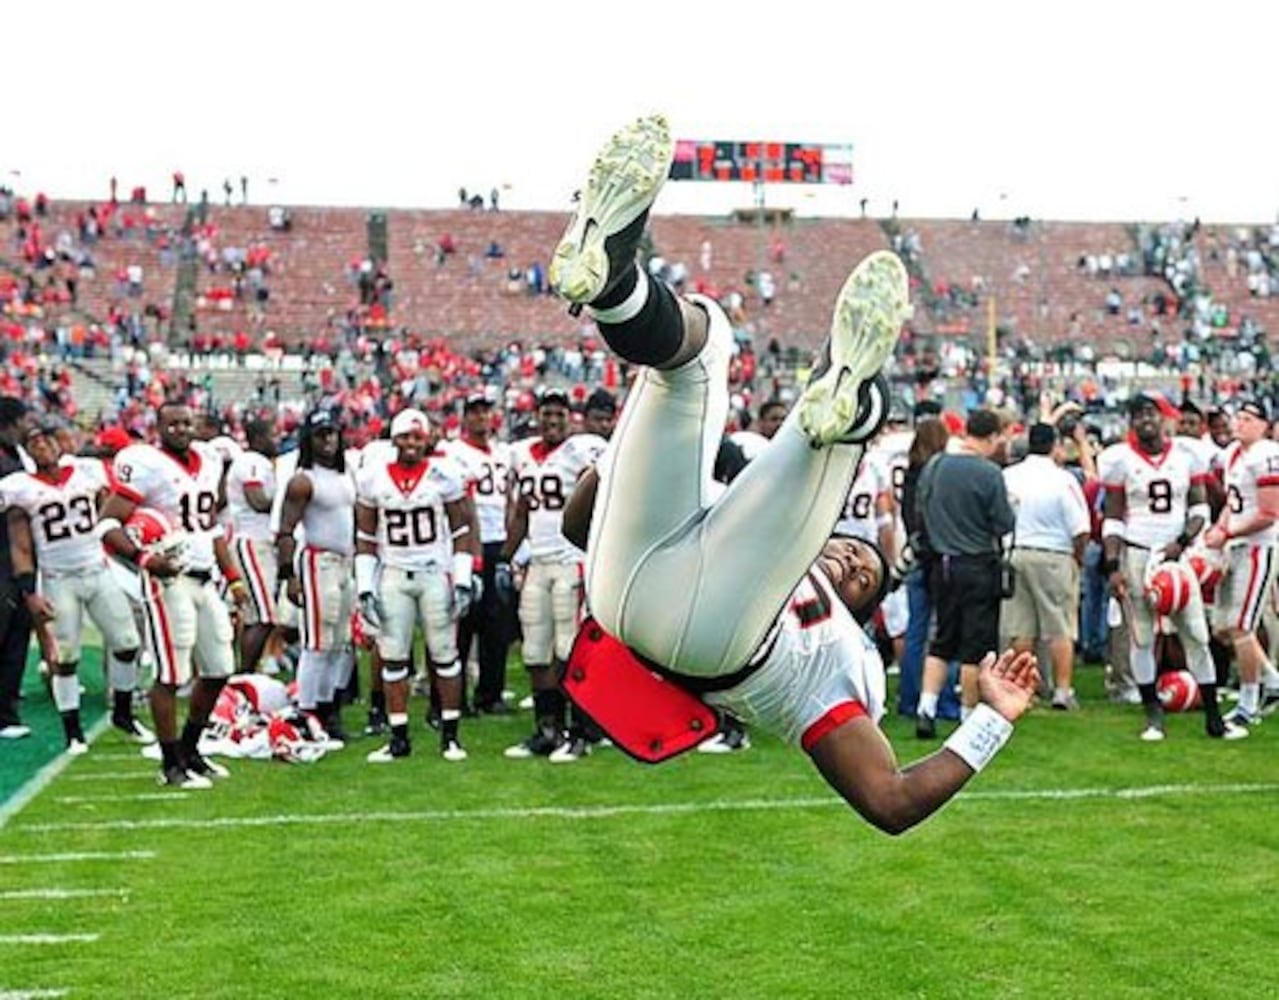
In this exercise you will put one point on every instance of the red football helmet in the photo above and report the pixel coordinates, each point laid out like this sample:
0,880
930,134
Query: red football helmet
1206,565
1169,587
156,532
285,731
1178,691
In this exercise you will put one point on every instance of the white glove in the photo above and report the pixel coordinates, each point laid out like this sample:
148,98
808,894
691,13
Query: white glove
462,598
371,611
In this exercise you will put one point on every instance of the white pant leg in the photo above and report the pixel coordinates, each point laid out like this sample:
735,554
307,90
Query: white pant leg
214,633
112,613
67,595
692,585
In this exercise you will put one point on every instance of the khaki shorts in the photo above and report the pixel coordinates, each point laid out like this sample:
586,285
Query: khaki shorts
1045,601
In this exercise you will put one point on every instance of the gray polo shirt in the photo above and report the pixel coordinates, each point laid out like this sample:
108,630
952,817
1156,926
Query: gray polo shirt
964,505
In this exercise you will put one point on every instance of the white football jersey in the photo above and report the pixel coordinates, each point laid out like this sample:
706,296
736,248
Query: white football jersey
285,466
1154,488
487,471
820,669
892,452
545,477
63,512
1246,472
858,517
249,469
186,491
413,528
328,520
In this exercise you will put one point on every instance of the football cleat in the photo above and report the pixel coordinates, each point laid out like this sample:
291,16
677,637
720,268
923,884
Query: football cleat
541,744
1224,729
452,751
200,765
391,752
1152,733
925,727
730,742
180,777
77,747
1240,716
134,730
846,400
604,234
1063,702
377,724
571,750
151,751
1269,700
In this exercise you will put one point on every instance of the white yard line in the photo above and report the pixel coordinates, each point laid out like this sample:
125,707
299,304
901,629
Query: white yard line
36,994
41,779
72,856
148,774
611,811
49,938
81,800
61,893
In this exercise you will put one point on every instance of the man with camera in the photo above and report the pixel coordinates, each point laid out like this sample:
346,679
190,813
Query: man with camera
1049,541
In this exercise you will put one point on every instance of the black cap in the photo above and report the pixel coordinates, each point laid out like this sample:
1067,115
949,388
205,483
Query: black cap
549,396
43,428
1255,407
319,419
1041,438
927,408
1188,405
12,409
474,400
600,399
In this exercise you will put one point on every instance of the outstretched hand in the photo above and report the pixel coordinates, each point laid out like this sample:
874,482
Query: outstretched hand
1008,683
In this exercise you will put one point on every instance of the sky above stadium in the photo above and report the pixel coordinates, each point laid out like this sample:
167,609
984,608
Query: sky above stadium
1086,110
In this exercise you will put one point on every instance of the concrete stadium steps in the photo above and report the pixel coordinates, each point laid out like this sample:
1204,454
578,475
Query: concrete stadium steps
95,379
110,255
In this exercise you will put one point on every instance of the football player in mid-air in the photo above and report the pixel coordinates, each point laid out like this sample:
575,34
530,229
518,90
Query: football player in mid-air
53,524
746,599
187,620
417,550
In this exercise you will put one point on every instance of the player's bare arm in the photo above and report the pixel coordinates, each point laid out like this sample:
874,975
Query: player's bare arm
1112,541
22,557
230,572
516,527
296,497
581,505
1196,517
857,761
257,498
115,514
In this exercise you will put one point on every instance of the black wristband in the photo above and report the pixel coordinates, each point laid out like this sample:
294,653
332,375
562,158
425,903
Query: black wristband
1109,566
285,573
1184,540
26,583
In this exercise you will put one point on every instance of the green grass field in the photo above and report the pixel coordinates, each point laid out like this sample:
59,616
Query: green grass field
1083,863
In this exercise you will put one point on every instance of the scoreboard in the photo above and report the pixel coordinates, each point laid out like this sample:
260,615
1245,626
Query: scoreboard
763,162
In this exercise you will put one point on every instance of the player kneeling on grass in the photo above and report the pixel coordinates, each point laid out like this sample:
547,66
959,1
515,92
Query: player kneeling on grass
746,600
53,523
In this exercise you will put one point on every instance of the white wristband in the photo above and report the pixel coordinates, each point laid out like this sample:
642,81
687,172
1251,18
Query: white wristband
462,569
980,736
105,525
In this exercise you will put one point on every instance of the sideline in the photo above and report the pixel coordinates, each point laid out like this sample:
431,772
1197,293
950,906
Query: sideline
611,811
43,777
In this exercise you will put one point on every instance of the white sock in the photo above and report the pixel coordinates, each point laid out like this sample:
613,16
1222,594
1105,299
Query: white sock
1269,675
310,676
928,705
629,308
66,692
122,675
1250,698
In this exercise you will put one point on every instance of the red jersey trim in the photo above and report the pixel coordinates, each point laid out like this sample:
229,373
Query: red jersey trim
1268,480
834,717
65,472
127,492
406,480
1201,478
1152,460
540,451
191,466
